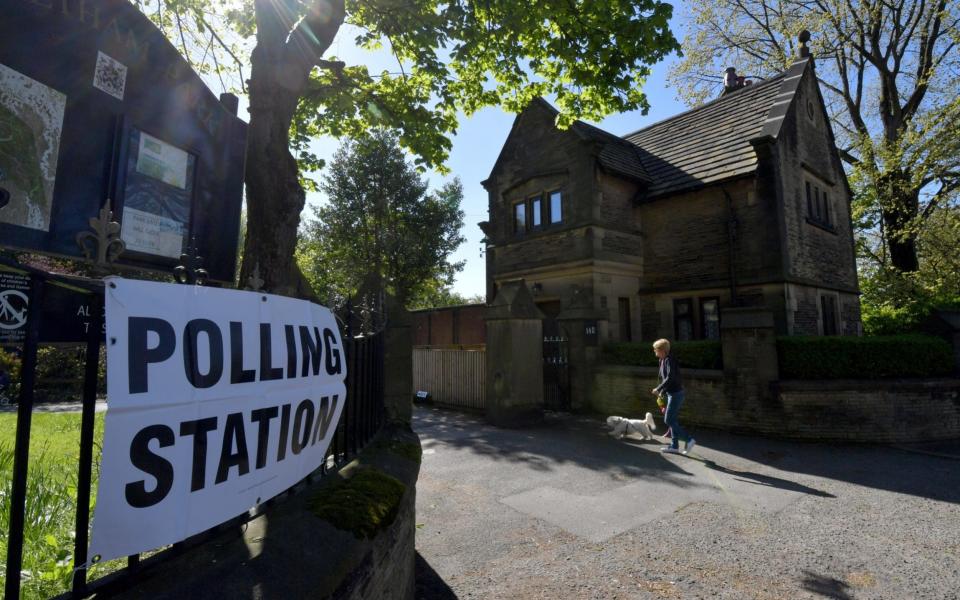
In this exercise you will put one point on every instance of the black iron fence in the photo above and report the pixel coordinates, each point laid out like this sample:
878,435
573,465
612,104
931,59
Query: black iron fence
556,372
363,415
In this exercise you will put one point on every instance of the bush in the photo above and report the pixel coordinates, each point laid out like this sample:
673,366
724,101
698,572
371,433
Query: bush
703,354
9,375
869,357
59,374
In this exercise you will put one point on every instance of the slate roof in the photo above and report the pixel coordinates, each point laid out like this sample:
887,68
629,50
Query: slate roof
706,144
617,155
709,143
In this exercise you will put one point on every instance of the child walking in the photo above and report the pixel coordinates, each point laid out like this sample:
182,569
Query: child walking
672,387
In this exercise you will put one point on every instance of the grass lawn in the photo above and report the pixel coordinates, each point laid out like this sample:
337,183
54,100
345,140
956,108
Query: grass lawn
51,500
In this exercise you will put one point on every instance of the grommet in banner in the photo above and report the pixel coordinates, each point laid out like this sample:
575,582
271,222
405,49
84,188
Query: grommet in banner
95,559
113,285
113,341
258,500
264,298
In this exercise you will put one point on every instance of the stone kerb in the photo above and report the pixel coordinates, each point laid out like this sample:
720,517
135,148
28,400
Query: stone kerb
514,357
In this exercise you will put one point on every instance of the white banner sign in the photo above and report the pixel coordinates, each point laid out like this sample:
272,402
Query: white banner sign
217,401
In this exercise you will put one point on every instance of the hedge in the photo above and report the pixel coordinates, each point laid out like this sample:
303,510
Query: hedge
59,374
703,354
868,357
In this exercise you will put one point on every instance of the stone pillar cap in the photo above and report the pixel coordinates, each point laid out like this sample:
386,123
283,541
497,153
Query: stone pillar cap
513,301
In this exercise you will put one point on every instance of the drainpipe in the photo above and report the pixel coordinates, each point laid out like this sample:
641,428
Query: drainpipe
731,241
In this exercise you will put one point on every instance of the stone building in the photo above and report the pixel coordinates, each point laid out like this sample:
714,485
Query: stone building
739,202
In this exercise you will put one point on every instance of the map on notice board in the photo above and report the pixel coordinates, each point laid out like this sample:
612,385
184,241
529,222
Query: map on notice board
31,120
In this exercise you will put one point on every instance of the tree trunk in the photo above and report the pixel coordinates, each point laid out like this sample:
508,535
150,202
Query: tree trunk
274,196
900,203
280,70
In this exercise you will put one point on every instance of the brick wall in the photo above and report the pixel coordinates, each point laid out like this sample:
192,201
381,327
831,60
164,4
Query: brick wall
449,325
873,411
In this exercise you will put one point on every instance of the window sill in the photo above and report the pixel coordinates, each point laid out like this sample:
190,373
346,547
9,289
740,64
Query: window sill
534,232
822,225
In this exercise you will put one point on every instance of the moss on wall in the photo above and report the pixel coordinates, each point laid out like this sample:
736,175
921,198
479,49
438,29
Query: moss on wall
408,450
362,504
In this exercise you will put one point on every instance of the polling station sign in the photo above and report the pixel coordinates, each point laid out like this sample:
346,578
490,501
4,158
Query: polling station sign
217,401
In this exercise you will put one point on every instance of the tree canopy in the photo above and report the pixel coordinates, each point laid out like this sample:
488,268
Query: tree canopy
380,228
890,72
592,56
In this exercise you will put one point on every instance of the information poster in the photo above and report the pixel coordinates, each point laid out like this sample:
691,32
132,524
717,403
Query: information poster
157,196
14,290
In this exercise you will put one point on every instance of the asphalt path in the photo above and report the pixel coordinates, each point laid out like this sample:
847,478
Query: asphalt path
563,510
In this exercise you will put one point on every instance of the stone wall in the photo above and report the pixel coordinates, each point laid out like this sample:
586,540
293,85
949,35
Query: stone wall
686,239
819,255
876,411
289,552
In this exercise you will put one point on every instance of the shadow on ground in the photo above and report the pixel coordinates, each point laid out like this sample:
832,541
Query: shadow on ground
561,439
583,440
430,586
868,465
826,586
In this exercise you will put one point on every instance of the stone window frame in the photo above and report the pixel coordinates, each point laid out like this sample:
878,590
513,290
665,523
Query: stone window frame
518,228
703,316
689,316
532,209
544,198
818,197
549,206
821,317
624,319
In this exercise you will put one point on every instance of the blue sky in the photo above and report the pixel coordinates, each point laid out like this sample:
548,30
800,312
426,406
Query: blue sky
478,142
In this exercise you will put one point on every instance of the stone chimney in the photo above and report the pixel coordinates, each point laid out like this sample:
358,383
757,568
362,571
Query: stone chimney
804,38
730,80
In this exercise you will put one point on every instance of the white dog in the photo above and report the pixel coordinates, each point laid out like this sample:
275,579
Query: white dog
622,426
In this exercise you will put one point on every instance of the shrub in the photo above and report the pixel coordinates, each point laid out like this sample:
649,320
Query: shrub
868,357
703,354
9,375
59,374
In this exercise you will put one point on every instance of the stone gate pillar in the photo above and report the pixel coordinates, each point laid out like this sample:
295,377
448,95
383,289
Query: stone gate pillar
948,325
749,346
582,323
514,357
398,363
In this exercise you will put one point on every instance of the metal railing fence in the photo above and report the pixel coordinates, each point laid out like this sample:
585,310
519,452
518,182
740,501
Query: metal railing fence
363,415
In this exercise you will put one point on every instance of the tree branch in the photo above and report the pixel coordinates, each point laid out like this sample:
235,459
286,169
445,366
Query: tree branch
314,32
846,156
226,49
941,194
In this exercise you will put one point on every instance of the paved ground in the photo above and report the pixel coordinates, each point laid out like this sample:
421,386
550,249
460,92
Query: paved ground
55,407
565,511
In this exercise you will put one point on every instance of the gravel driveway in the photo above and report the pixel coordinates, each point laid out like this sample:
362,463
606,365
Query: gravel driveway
565,511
